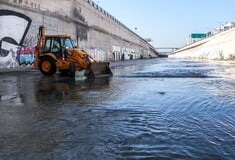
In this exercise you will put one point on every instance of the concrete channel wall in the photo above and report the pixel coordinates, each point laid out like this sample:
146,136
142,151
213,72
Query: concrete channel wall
92,28
217,47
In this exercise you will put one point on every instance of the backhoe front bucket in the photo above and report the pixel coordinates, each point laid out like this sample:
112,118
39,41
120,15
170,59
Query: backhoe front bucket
98,69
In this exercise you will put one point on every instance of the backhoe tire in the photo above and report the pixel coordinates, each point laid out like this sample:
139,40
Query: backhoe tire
72,70
47,66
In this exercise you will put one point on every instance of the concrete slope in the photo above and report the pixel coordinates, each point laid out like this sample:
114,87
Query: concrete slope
220,47
91,27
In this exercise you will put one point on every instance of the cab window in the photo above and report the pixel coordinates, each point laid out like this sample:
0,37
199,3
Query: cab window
67,43
56,47
47,46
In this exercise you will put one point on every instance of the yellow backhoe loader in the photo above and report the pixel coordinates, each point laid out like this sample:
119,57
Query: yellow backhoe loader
57,52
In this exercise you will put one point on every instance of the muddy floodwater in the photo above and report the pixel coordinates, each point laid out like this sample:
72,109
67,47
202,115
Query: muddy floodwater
152,109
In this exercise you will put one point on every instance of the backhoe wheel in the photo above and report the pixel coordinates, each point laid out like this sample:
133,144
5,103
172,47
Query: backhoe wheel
72,70
47,66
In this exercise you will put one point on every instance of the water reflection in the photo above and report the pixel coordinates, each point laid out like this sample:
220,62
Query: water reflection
40,125
171,110
56,89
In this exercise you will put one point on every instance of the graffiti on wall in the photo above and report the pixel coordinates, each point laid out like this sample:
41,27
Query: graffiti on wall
120,53
13,30
25,55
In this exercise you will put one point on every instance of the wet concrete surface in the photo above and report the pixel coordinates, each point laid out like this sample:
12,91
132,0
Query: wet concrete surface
149,109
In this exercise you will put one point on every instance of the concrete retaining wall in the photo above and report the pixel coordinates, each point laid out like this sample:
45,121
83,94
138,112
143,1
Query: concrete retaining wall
218,47
91,28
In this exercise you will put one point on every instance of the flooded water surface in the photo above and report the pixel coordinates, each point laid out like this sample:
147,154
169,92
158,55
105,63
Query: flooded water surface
152,109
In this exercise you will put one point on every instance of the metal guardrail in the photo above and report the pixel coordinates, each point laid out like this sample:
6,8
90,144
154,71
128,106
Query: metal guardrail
96,6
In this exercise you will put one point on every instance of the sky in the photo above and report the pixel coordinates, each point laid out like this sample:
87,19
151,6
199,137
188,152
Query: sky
169,23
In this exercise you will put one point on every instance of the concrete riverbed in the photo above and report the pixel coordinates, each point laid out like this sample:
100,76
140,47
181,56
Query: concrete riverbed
149,109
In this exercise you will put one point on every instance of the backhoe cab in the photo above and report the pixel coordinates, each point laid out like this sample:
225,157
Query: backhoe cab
57,52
